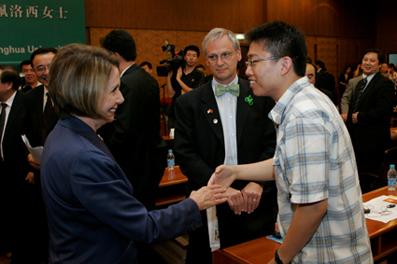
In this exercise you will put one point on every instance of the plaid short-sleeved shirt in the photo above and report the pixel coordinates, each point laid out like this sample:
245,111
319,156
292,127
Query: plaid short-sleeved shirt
314,160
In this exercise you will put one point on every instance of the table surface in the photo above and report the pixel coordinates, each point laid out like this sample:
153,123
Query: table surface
377,228
172,178
262,250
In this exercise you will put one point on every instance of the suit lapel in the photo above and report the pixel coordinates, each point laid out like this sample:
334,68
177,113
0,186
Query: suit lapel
369,87
210,110
13,117
40,103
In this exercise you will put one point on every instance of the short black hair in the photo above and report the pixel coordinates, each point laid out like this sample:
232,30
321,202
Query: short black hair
40,51
282,39
192,48
11,76
321,64
122,42
24,62
381,57
146,63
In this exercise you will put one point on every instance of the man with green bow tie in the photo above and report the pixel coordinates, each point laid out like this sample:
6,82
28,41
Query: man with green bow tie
233,89
222,122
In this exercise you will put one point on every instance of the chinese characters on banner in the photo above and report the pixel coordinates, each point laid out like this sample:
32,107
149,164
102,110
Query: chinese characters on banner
30,24
33,11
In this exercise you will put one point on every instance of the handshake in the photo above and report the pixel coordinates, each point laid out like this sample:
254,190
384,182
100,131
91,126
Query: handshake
218,189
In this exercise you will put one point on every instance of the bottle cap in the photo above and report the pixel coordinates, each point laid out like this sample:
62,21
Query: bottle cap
392,166
170,151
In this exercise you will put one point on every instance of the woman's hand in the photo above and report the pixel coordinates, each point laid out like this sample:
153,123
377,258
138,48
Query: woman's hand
208,196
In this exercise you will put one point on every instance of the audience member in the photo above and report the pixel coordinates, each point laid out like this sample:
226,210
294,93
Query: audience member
325,81
41,113
311,73
30,77
343,80
134,137
384,69
41,118
92,214
321,217
366,107
222,122
358,71
186,78
14,190
393,74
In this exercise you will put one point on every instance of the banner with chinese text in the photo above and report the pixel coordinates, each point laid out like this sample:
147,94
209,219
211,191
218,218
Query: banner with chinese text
26,25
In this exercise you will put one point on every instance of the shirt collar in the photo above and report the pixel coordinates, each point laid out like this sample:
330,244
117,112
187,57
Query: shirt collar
278,110
369,77
10,99
122,73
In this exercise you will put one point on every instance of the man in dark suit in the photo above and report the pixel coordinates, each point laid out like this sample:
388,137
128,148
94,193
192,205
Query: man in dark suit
216,128
41,117
40,120
14,190
367,106
325,81
134,137
30,77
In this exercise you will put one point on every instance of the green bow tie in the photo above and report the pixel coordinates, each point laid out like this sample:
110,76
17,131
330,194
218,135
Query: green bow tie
233,89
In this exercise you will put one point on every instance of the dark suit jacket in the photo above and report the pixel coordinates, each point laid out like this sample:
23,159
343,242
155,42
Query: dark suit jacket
15,166
13,170
200,149
34,121
325,82
92,214
371,135
134,137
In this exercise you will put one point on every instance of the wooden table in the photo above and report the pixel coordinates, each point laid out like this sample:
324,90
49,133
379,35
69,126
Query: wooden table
383,236
172,187
383,239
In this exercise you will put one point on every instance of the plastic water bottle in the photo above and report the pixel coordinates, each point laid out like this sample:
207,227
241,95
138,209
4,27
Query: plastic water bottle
391,178
170,163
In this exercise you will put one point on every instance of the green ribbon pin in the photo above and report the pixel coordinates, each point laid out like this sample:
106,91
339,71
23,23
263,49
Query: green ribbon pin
249,100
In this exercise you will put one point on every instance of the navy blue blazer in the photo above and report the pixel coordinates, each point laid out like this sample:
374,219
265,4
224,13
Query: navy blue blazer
92,214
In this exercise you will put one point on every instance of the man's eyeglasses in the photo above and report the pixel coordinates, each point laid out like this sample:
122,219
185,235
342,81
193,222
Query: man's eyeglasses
251,62
42,68
225,56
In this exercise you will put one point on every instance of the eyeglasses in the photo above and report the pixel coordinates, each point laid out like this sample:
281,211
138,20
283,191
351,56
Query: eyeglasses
252,62
42,68
225,56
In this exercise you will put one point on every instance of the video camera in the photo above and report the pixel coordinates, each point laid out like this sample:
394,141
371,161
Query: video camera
173,62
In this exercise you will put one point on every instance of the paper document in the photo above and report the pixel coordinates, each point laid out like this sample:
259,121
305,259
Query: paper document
213,230
36,151
382,208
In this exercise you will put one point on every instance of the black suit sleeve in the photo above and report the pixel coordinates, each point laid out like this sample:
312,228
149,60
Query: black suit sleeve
196,169
140,110
381,104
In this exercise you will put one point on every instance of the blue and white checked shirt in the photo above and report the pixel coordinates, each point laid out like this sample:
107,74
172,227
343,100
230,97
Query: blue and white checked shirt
314,160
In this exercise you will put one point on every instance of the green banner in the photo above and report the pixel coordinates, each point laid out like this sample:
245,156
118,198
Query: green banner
26,25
